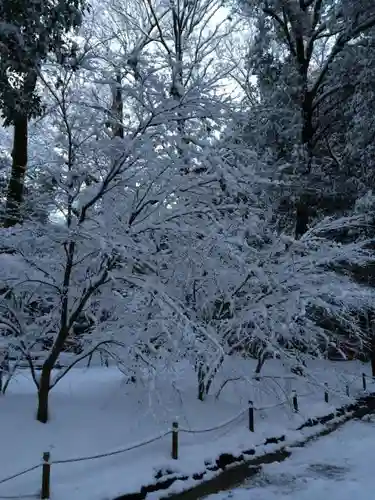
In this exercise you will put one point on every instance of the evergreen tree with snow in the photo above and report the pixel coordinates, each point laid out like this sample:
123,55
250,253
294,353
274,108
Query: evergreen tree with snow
29,31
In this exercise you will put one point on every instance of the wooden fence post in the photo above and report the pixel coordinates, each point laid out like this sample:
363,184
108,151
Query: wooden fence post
364,381
251,416
175,440
46,476
326,397
295,401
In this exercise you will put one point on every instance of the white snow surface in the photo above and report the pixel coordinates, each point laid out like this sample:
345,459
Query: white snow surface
339,466
94,411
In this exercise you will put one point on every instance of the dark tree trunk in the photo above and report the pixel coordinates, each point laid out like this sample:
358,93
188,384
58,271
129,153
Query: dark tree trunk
205,378
302,220
201,382
45,376
260,363
373,357
261,360
371,329
307,121
117,109
43,393
18,172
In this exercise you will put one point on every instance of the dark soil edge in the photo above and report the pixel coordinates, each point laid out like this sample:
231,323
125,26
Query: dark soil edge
233,470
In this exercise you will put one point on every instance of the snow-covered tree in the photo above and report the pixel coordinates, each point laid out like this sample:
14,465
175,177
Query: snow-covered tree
118,198
156,238
297,55
30,30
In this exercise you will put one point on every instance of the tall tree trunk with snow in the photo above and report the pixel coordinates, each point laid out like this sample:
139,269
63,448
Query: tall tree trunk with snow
117,108
29,32
16,184
371,333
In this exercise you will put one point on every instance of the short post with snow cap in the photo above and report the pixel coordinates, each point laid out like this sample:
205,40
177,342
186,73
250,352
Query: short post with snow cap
46,476
251,416
326,396
364,381
295,401
175,440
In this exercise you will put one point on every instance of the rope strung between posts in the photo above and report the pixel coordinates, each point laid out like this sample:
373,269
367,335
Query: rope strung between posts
112,453
20,473
143,443
264,408
91,457
282,403
337,392
146,442
19,497
215,428
243,412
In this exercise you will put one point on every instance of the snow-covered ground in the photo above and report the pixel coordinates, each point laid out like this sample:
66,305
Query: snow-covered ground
94,411
339,466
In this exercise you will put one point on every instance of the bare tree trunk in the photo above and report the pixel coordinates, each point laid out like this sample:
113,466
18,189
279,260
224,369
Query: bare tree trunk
43,393
371,330
308,130
373,357
18,173
201,381
205,378
45,376
302,219
260,363
117,109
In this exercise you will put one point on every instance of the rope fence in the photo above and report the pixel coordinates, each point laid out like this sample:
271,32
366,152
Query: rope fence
217,427
112,453
174,432
18,497
19,474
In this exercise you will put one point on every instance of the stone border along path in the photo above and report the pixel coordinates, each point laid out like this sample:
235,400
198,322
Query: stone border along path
234,470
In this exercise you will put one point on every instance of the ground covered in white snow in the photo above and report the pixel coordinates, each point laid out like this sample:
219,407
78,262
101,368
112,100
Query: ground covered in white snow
339,466
94,411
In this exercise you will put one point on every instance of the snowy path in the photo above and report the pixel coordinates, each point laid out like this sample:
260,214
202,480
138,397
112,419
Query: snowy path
338,466
93,411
